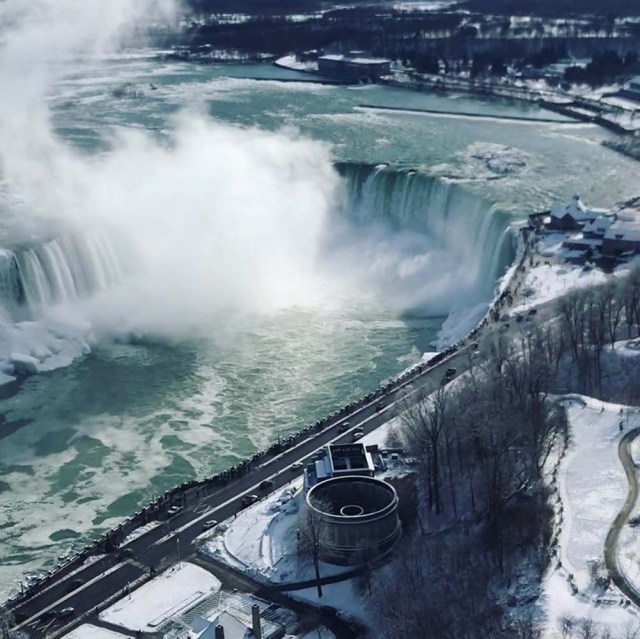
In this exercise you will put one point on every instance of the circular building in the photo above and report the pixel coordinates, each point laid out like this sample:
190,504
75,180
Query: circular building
356,518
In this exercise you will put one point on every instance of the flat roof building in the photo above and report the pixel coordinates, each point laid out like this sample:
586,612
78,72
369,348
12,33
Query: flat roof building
354,66
340,460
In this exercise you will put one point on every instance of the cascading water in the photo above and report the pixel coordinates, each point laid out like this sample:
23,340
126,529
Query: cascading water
450,245
62,270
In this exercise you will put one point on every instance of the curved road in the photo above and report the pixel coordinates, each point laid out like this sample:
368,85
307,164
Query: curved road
611,543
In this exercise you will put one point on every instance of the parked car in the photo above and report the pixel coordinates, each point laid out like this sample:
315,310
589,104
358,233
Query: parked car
174,510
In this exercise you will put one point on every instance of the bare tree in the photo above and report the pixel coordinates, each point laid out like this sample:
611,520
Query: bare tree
424,424
311,530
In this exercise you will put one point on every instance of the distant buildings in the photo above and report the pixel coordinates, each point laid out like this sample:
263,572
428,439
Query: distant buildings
354,66
623,236
594,233
632,92
571,217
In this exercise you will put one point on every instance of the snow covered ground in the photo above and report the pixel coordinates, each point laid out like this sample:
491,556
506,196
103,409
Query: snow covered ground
173,592
262,539
89,631
592,487
546,282
459,324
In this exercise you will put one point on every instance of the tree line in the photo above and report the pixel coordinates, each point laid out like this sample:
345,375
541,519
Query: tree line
484,447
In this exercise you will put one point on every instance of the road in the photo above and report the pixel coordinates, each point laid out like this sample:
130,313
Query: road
611,543
92,585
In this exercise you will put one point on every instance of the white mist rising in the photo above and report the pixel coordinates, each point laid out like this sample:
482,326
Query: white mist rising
222,220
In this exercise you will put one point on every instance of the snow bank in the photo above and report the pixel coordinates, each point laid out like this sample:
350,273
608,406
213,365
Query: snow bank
459,324
546,282
88,631
28,348
173,592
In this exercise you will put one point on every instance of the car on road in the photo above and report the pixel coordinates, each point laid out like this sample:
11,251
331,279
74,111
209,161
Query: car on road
65,613
74,584
294,468
247,500
266,484
174,510
379,406
357,434
344,427
448,376
210,523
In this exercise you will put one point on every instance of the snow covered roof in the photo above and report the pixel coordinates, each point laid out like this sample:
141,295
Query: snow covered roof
233,628
627,231
576,209
599,225
635,82
347,58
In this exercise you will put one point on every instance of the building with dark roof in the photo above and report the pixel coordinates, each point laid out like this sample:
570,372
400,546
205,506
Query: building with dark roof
354,66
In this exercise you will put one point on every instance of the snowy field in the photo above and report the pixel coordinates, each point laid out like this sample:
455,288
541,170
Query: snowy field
592,487
173,592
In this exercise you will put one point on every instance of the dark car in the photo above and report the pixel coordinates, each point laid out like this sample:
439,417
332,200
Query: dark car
343,427
65,613
266,484
126,553
74,584
247,500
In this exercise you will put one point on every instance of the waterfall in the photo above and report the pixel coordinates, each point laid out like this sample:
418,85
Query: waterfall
60,270
470,236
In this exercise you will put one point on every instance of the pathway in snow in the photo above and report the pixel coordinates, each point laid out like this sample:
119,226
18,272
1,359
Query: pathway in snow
592,486
619,572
